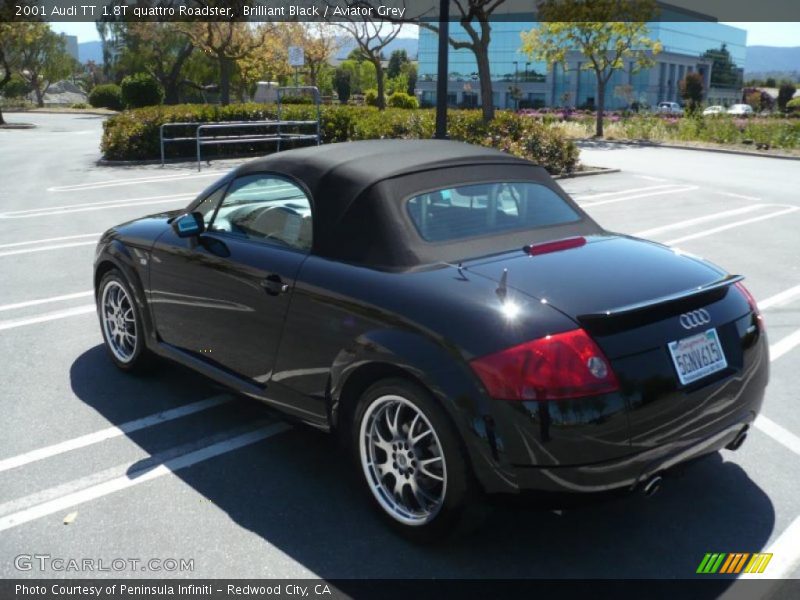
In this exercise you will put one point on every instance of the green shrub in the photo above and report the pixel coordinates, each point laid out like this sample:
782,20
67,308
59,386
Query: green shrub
402,100
106,96
297,99
134,134
793,105
371,97
141,89
16,87
79,105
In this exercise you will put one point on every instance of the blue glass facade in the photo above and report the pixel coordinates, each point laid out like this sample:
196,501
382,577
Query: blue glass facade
684,44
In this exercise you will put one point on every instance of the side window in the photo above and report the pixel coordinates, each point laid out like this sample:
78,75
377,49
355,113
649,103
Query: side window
209,203
266,208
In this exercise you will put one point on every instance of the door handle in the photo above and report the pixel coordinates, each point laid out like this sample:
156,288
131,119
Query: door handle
274,285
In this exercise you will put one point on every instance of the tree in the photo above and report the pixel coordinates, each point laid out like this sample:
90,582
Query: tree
785,93
410,71
372,36
270,59
341,82
319,44
43,59
692,91
226,43
723,70
164,51
9,37
474,18
397,59
605,32
111,35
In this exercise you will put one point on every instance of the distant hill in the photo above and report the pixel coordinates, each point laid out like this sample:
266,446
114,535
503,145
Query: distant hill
764,60
90,51
94,50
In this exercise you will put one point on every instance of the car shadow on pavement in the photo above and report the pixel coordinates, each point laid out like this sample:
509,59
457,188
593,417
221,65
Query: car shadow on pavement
300,493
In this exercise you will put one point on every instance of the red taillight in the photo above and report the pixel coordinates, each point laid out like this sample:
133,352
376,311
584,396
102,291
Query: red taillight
564,365
752,302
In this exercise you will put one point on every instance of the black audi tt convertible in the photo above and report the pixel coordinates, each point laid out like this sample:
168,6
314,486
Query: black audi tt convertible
451,314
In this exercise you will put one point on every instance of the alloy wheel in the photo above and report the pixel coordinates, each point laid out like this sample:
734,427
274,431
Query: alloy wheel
403,460
119,321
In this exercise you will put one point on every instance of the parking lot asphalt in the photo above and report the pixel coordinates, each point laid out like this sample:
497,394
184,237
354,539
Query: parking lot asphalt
171,466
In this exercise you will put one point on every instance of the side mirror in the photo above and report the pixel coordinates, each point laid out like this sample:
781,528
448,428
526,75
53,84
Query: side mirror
189,225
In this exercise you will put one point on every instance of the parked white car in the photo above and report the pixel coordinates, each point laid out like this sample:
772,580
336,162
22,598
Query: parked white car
714,110
740,110
669,108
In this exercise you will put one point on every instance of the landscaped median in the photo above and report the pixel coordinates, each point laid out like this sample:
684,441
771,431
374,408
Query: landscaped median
134,134
774,133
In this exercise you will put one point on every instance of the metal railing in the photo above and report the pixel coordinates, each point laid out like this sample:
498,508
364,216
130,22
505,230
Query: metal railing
271,129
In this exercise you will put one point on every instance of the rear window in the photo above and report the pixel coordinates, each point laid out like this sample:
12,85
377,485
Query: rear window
485,209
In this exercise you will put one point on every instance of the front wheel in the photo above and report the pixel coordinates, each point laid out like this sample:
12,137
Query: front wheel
411,459
121,323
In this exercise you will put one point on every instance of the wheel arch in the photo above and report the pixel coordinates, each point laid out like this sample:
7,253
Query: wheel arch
435,368
117,256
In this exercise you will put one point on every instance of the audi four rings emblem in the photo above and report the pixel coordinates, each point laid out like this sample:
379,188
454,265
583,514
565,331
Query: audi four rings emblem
695,318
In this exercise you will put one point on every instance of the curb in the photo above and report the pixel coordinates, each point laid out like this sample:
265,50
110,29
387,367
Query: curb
594,171
103,162
60,112
647,144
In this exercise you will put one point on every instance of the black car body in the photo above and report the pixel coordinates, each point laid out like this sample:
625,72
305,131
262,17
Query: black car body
359,295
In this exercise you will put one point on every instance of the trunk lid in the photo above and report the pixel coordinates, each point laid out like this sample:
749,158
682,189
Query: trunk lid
632,296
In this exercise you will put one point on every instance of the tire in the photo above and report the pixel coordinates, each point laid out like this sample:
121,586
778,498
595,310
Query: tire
432,475
123,328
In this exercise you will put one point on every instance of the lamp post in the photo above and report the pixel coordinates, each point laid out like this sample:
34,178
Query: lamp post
527,64
441,73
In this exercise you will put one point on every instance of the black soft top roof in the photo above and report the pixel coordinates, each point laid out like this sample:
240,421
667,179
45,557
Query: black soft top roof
357,189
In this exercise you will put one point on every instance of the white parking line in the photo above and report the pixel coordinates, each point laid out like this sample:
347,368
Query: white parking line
112,432
132,478
707,232
48,240
699,220
785,552
27,303
45,248
785,345
87,206
618,192
51,316
133,181
780,299
732,195
649,178
780,434
671,190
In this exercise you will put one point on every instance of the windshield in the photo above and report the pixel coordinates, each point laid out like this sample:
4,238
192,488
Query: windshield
487,209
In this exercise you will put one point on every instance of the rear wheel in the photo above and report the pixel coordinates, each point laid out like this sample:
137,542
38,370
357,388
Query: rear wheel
121,323
411,459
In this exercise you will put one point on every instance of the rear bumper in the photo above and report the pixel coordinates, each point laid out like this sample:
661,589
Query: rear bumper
586,446
626,473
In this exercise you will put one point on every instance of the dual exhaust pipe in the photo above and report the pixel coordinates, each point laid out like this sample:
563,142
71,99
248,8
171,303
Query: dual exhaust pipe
652,485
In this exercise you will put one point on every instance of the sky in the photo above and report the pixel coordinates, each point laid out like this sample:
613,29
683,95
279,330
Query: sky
758,34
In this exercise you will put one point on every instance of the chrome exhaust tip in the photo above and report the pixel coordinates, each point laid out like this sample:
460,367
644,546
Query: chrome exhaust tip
738,440
652,486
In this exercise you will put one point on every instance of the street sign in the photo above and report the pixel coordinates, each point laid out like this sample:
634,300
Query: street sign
296,56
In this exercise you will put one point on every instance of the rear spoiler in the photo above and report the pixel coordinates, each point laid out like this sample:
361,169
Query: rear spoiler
632,309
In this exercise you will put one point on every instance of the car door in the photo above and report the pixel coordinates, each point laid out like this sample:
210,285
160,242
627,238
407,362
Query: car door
223,295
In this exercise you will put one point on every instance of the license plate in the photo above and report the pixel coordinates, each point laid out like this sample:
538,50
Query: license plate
697,356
